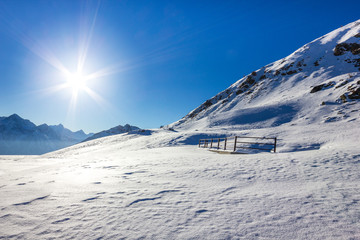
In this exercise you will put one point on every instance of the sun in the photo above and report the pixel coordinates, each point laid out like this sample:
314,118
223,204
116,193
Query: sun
76,81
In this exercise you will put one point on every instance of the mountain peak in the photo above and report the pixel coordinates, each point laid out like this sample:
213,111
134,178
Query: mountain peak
15,116
16,122
80,132
21,136
281,92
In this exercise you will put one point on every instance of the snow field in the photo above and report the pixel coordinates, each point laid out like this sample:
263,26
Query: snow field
158,185
180,193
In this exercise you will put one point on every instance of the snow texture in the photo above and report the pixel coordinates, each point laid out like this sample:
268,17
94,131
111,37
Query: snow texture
131,186
157,184
282,91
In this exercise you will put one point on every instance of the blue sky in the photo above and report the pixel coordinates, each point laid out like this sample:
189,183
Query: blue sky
150,62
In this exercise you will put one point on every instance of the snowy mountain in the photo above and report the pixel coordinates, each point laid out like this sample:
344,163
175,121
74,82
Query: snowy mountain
19,136
157,184
310,85
113,131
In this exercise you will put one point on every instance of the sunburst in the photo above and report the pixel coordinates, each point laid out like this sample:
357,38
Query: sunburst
76,81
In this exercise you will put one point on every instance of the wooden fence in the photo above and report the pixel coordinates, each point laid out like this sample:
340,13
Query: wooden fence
237,142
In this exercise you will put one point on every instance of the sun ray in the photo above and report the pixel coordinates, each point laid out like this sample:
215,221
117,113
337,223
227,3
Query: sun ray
49,90
72,106
86,40
110,70
18,31
76,82
97,98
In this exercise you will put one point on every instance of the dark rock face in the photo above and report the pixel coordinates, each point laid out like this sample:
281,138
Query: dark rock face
291,72
321,87
208,103
355,61
341,48
263,77
355,94
249,82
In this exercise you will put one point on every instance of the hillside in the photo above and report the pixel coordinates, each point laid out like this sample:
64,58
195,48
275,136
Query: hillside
113,131
106,187
309,86
156,184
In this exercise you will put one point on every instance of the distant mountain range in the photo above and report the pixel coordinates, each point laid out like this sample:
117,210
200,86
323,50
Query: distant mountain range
113,131
19,136
317,84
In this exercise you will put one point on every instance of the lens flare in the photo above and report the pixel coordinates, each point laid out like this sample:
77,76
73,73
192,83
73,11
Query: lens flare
76,82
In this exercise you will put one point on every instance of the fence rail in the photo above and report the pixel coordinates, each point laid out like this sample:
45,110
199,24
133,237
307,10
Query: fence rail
238,142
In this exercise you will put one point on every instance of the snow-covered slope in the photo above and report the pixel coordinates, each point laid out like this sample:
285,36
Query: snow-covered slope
308,86
113,131
19,136
156,184
132,186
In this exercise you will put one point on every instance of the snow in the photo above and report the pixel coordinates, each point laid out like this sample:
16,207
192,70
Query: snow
284,85
351,28
157,184
113,131
124,187
160,185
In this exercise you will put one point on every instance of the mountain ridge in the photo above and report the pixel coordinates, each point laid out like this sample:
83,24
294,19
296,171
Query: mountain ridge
113,131
328,62
21,136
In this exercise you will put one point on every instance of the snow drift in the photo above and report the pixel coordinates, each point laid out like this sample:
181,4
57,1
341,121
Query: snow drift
156,184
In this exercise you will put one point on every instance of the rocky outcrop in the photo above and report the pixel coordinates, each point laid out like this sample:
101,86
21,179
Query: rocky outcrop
342,48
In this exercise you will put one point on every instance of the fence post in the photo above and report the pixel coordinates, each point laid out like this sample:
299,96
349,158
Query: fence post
225,144
206,142
218,143
275,145
235,143
199,142
211,143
